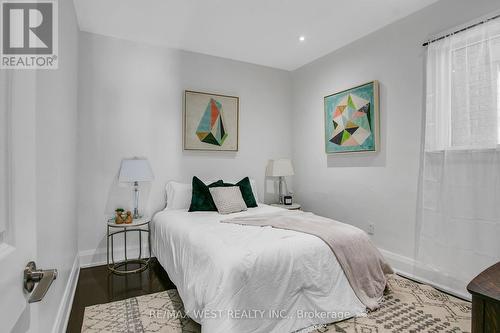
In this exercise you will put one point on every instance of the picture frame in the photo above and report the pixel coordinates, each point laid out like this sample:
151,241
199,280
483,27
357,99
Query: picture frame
352,120
211,121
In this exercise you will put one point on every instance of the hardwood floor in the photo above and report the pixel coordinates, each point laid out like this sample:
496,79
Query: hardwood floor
96,285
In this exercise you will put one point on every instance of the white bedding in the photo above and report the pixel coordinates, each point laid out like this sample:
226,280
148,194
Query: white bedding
234,278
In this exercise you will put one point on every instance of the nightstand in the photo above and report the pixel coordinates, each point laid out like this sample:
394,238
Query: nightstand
485,290
294,206
141,226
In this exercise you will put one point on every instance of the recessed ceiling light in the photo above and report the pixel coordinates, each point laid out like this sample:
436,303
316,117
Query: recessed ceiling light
302,38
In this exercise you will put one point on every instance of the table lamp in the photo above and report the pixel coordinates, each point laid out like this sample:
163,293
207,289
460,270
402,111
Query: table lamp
134,171
280,168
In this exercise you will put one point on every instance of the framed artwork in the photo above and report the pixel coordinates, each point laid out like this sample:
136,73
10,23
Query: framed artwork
210,121
351,120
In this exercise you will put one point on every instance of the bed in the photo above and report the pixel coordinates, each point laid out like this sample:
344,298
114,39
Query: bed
234,278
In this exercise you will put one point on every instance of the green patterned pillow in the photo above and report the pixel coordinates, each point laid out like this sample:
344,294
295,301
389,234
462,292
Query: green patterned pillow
246,191
201,199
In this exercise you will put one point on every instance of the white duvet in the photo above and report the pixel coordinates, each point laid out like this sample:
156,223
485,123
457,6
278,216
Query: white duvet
234,278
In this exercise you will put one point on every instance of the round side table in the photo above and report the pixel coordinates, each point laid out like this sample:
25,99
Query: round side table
294,206
138,225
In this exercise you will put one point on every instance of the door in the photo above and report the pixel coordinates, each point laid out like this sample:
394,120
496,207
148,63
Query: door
17,195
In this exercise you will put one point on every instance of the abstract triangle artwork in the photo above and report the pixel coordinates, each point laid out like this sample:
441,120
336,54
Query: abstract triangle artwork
351,117
211,127
355,118
211,121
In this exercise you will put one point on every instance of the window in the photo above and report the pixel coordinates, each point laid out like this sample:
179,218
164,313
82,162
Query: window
474,95
463,90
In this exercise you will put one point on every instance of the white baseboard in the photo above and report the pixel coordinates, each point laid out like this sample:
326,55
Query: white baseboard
61,321
410,268
398,262
97,257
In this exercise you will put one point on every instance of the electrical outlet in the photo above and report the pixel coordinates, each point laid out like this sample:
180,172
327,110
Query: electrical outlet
371,229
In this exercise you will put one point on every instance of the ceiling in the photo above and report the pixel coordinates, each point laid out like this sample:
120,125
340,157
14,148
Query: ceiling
264,32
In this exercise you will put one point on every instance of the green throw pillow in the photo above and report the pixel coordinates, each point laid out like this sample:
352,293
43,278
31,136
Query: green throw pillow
201,200
246,191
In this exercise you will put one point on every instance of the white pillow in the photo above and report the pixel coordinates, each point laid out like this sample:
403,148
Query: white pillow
253,184
178,195
228,199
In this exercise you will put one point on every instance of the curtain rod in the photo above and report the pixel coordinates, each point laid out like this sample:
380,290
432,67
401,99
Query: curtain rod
461,30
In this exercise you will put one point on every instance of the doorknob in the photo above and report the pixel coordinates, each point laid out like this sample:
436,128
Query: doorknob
44,279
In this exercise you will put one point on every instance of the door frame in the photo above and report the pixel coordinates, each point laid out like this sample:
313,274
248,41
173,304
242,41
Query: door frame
20,242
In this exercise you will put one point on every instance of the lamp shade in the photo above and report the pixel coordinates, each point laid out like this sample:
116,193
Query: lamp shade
279,168
135,170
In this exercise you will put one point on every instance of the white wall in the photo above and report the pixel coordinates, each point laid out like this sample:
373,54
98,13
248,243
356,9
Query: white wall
56,128
378,188
130,104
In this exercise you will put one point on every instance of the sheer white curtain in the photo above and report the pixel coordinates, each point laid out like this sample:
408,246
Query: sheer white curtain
458,232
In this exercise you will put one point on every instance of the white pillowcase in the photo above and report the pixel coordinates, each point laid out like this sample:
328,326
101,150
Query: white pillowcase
228,199
253,184
179,194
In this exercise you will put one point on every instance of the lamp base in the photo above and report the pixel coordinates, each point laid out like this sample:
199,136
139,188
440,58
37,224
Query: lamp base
136,201
280,190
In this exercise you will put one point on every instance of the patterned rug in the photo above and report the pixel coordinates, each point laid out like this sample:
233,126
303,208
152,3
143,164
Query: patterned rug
408,307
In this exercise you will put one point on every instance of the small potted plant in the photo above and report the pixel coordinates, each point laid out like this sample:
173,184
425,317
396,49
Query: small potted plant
119,219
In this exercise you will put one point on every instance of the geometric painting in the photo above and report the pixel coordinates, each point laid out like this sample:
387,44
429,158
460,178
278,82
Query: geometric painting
210,122
351,120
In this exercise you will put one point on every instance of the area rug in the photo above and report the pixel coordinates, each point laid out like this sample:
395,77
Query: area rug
408,307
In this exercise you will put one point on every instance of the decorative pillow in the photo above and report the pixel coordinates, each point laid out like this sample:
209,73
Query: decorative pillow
201,200
246,191
178,195
228,199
